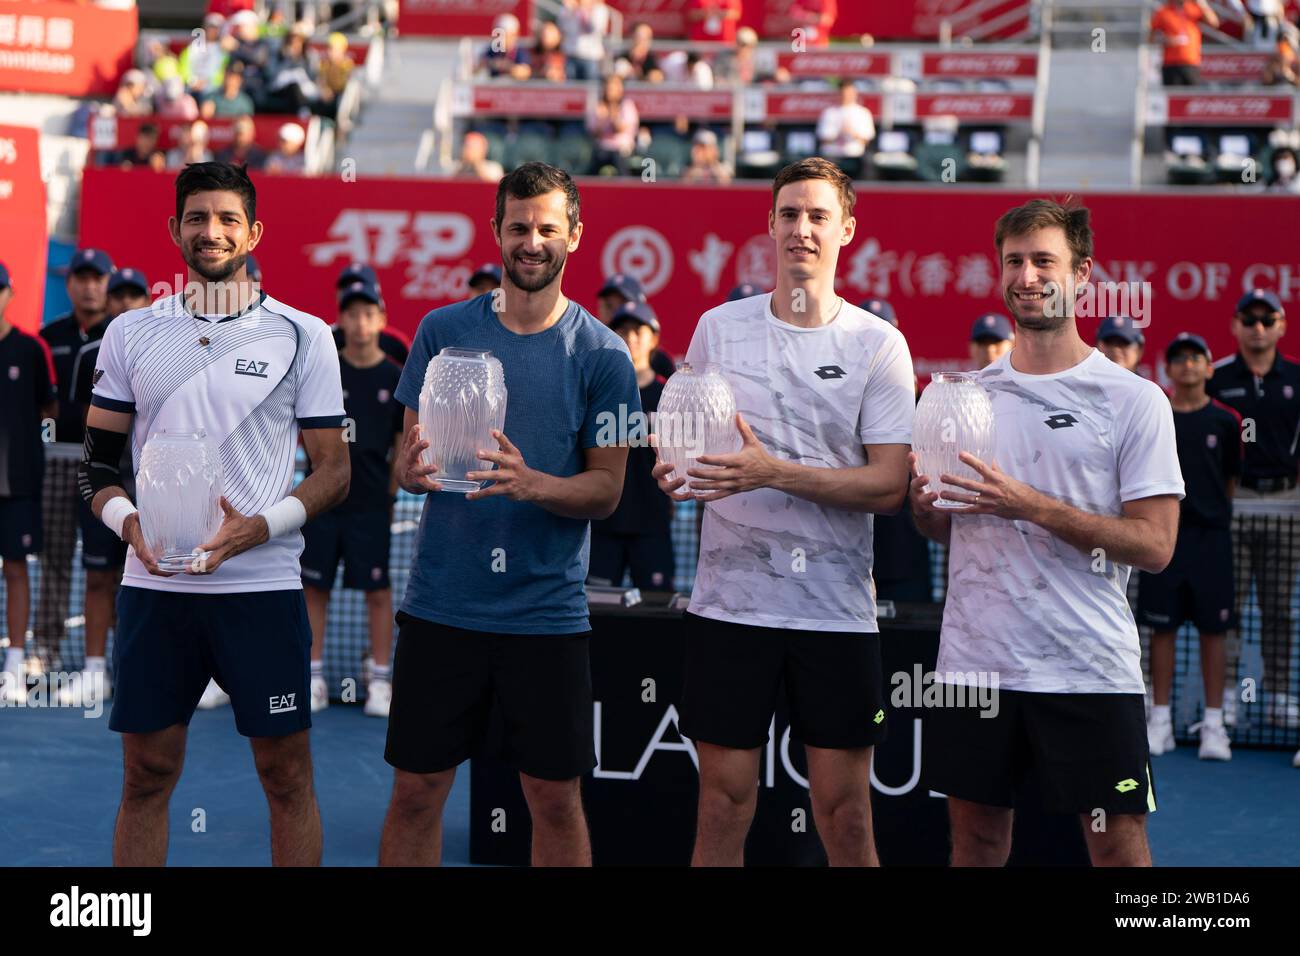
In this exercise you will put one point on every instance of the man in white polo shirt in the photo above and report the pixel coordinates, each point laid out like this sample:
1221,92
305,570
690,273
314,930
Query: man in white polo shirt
254,374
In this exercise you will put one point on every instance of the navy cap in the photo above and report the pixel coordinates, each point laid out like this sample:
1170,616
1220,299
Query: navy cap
357,272
128,278
1120,327
743,291
253,269
635,312
992,325
96,260
360,290
1184,341
1260,297
4,276
881,308
625,285
488,270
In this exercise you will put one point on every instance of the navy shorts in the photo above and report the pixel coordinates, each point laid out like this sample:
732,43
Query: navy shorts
101,549
648,556
20,527
1197,586
361,539
256,645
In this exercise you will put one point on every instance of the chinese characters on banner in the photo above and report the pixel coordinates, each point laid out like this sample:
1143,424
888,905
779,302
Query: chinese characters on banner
61,47
22,213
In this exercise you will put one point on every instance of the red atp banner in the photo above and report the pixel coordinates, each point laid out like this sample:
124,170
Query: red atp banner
453,18
928,251
60,47
22,213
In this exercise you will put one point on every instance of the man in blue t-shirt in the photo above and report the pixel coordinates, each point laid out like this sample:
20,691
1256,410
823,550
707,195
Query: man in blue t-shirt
495,614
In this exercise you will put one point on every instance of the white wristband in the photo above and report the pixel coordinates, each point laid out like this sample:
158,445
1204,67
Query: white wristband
115,512
288,514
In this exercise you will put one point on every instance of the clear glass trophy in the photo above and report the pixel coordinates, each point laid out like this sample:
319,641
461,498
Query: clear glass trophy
696,416
178,492
462,401
954,415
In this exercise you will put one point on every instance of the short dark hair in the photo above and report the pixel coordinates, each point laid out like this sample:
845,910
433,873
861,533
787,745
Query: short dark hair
537,179
1071,218
814,167
216,177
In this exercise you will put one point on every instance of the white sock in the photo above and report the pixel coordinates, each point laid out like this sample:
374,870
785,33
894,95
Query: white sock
381,673
318,668
14,658
1214,716
1161,713
94,664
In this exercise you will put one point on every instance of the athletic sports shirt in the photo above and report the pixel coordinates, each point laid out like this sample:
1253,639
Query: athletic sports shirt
66,339
26,386
370,401
1272,402
643,509
815,397
268,372
1023,603
1209,453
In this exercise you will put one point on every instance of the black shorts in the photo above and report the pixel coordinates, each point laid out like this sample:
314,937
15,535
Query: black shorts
448,683
1185,75
1088,751
362,540
257,645
1197,585
735,671
101,549
20,527
648,556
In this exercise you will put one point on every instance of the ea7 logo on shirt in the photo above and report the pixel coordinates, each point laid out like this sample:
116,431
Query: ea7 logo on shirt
250,367
283,703
829,372
1060,421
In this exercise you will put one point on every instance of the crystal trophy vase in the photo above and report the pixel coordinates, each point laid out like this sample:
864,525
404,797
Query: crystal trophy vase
462,401
954,415
178,492
696,416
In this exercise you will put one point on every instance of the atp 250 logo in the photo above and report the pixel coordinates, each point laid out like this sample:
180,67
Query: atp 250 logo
386,237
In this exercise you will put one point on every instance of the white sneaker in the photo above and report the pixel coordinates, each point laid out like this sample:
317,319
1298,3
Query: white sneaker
213,697
1160,735
13,689
379,698
1283,711
1215,744
1230,692
85,689
320,695
367,663
1295,761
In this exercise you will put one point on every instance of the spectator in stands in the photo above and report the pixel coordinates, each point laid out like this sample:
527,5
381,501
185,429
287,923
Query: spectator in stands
230,100
991,337
291,86
614,123
1198,584
706,165
1263,386
1263,22
174,103
1121,341
845,131
474,162
638,62
251,49
815,18
1282,171
133,97
243,149
358,531
486,278
1174,26
739,66
144,152
547,60
1282,68
504,56
584,24
203,61
288,156
712,21
161,62
336,69
192,148
28,396
637,537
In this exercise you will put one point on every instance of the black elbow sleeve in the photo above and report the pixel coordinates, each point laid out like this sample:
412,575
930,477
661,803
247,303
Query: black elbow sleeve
100,456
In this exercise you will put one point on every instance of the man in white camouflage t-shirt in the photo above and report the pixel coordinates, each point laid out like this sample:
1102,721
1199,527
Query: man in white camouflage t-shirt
1083,486
783,588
